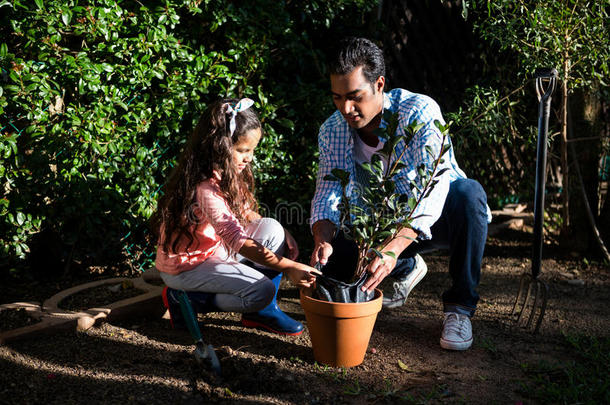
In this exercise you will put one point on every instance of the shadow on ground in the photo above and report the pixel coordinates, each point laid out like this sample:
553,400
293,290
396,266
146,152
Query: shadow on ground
143,360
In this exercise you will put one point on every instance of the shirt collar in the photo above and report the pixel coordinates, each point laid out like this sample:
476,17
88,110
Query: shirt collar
387,105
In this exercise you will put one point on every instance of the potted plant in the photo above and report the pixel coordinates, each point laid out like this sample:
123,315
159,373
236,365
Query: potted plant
340,332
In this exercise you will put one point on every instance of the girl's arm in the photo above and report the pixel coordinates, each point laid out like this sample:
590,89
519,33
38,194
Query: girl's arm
216,211
252,215
299,274
292,248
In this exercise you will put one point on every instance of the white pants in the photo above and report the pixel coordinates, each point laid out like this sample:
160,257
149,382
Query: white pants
238,284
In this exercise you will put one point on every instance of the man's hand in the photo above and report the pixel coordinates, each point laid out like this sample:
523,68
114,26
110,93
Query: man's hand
292,249
321,253
323,233
379,268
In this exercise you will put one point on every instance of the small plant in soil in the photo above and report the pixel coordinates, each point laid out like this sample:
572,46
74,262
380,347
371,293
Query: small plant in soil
383,212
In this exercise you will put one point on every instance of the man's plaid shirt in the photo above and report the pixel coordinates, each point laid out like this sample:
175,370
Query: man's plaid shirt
336,144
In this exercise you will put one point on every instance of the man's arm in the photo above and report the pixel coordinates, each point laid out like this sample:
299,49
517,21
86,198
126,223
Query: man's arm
324,214
430,208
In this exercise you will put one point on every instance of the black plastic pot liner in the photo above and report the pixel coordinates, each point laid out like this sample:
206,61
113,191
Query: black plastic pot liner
329,289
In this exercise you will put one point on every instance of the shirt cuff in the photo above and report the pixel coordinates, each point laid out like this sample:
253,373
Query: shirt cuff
423,228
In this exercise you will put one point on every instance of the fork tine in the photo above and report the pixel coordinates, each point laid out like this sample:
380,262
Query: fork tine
545,294
519,295
525,303
536,287
531,305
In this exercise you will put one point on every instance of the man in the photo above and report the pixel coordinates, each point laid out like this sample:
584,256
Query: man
454,216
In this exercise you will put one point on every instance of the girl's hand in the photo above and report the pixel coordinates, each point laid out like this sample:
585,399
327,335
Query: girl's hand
292,249
301,275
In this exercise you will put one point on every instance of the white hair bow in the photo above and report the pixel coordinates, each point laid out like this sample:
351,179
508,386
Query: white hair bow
241,105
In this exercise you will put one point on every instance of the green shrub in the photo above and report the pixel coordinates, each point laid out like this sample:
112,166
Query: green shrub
97,99
496,141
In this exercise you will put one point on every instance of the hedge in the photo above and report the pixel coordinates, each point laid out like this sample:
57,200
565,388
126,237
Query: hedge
97,99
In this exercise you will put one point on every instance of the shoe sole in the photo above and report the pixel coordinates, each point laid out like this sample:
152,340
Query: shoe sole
258,325
422,273
451,345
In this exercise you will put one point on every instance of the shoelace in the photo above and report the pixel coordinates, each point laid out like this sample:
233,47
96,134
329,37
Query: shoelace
398,290
455,324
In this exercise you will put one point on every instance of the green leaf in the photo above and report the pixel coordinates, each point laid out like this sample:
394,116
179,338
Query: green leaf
342,175
20,218
39,3
408,238
66,16
385,234
3,50
366,166
429,151
390,253
446,148
286,123
440,172
411,203
402,365
421,170
390,186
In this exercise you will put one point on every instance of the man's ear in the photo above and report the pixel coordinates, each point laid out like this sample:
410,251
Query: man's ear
380,83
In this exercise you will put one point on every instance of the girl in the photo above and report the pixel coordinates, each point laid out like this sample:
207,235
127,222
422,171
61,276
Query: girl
211,241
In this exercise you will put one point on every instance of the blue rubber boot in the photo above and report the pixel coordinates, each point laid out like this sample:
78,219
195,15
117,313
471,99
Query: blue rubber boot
272,318
201,302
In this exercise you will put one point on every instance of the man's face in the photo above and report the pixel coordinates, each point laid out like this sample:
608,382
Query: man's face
358,101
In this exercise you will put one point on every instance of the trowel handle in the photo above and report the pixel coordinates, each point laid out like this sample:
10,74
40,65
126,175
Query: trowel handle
189,315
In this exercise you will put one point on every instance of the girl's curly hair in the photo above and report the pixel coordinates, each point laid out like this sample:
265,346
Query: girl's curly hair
208,150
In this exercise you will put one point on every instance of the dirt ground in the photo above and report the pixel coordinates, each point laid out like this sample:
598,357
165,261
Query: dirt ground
144,361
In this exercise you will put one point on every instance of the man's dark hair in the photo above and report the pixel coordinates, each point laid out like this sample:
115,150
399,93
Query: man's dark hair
353,52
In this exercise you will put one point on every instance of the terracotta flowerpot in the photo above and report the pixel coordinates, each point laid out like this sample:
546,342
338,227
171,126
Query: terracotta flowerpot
340,332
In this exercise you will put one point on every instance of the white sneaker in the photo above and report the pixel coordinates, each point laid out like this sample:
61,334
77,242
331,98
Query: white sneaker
402,288
457,332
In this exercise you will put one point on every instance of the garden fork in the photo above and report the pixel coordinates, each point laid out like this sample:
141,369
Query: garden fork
535,299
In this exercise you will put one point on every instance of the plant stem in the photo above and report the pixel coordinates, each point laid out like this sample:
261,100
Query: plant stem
403,225
564,136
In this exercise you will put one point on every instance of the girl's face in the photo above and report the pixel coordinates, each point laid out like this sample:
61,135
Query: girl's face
243,149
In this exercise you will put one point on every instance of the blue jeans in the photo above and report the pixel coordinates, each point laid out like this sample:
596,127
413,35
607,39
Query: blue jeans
461,228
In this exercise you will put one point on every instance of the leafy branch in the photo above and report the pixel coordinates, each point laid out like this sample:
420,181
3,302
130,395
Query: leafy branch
380,212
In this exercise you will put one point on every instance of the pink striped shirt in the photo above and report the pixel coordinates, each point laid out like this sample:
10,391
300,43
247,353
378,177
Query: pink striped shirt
213,223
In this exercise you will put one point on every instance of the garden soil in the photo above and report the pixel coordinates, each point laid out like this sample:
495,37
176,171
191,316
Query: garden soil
142,360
